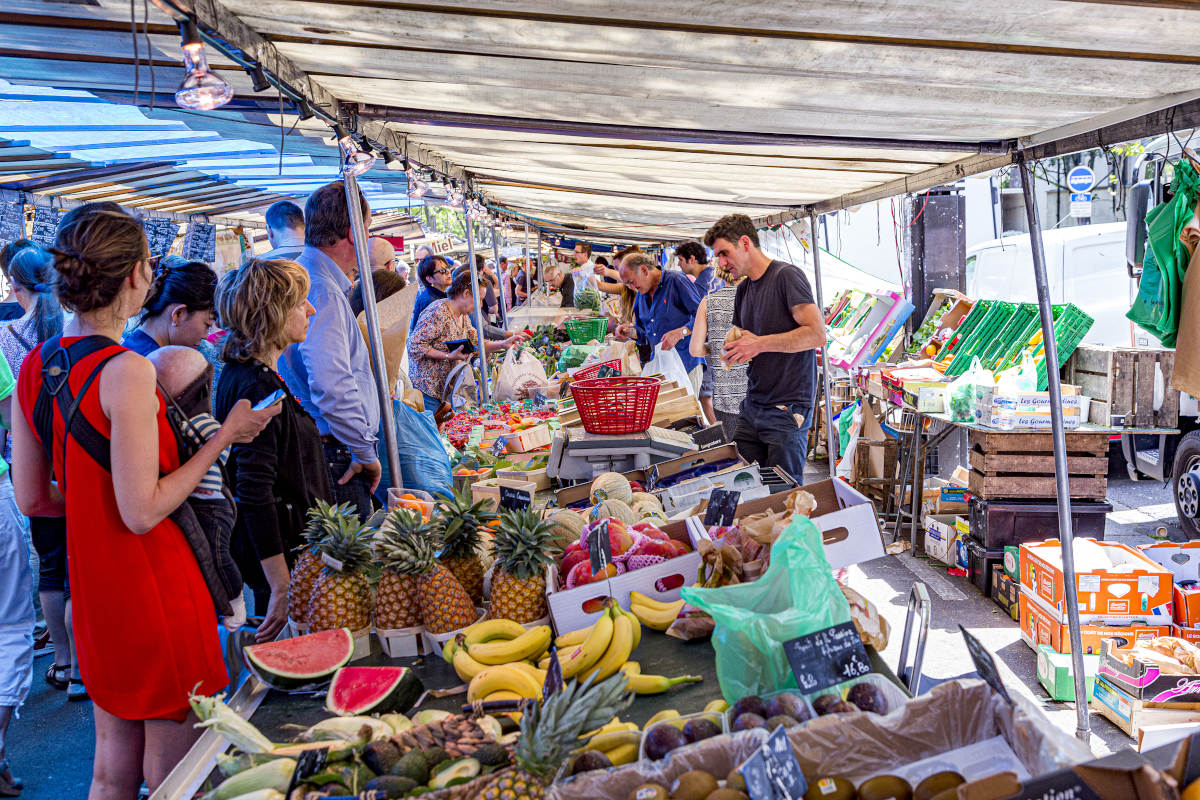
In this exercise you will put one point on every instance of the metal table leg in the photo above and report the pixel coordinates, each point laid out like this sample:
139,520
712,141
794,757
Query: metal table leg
918,605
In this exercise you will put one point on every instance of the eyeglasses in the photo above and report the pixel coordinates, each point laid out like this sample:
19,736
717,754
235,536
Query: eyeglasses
441,272
153,261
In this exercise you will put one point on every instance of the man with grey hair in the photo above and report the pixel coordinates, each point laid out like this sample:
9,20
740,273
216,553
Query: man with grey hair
564,283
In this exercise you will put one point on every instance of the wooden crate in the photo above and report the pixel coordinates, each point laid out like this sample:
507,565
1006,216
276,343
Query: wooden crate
874,486
1021,465
1120,381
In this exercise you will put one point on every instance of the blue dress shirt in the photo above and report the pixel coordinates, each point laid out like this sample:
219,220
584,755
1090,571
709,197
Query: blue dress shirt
673,305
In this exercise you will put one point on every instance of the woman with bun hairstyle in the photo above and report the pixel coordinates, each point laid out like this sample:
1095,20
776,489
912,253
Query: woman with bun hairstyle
178,309
145,624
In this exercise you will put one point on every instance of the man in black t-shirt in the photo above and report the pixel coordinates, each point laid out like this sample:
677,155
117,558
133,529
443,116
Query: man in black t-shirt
780,326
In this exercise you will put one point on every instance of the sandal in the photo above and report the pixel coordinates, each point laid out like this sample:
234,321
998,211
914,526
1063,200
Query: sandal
9,786
52,676
76,690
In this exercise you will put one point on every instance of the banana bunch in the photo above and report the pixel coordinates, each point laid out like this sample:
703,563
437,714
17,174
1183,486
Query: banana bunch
497,656
654,613
602,649
617,740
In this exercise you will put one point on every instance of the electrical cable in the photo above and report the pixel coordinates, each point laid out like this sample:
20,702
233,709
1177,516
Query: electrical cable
149,50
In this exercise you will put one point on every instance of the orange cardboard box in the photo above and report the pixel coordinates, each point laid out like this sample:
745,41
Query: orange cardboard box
1040,626
1189,634
1187,606
1140,587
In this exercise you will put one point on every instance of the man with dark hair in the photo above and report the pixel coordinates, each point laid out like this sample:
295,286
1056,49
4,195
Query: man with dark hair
330,371
285,230
780,327
663,312
583,274
693,260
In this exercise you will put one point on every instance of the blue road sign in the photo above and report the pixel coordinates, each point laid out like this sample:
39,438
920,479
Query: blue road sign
1081,179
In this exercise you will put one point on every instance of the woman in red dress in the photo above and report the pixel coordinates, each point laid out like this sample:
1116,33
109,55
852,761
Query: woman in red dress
145,625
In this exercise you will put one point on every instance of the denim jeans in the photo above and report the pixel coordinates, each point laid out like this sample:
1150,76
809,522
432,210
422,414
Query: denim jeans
775,435
357,490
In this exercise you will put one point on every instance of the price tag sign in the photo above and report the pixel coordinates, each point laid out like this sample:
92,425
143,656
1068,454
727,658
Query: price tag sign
540,400
652,478
722,507
12,222
599,547
827,657
758,782
782,767
45,225
308,763
554,676
499,446
515,499
985,665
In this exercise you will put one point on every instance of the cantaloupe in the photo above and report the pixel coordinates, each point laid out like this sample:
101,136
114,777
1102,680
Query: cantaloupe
644,497
611,486
612,508
647,508
568,527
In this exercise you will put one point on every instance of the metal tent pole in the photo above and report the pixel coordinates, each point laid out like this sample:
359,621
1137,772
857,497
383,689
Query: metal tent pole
483,371
358,230
528,286
1066,534
501,279
830,441
541,272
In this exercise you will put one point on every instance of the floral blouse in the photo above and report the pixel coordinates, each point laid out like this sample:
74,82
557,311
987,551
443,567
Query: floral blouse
437,326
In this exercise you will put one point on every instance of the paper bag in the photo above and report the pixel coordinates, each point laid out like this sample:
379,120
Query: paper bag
520,370
1186,375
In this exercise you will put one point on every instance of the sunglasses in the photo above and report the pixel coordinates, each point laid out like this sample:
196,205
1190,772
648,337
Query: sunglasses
441,272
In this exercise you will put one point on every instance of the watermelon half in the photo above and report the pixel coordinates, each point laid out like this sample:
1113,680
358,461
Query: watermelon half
357,691
307,660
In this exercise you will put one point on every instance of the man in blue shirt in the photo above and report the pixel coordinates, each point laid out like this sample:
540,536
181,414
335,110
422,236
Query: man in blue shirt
693,260
330,371
664,310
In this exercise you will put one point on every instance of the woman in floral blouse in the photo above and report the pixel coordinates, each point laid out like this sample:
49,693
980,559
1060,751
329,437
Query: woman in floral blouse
445,321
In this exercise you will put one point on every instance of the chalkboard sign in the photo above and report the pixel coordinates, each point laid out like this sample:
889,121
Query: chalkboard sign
758,782
722,507
515,499
652,478
160,233
709,437
12,222
599,547
985,665
45,225
499,446
782,767
826,658
606,371
540,400
308,763
554,677
200,242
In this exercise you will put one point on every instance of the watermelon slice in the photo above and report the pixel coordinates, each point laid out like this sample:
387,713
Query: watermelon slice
306,660
357,691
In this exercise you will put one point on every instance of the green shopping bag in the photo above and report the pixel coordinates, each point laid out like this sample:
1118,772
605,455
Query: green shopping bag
1167,256
797,595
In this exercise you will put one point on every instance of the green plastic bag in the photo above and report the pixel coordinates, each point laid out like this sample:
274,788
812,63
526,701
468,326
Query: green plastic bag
797,595
845,421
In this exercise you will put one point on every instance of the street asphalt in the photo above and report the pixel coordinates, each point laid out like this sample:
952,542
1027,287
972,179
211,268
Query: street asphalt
50,746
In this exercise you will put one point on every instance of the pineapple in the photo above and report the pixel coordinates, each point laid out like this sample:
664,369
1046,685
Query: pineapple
522,547
549,732
322,518
397,604
445,604
341,598
461,525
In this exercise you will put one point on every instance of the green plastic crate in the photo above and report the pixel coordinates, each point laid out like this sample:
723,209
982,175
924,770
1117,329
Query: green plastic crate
981,337
583,331
965,328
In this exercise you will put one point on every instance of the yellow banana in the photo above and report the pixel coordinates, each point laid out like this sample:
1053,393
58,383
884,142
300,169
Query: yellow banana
492,629
592,650
532,643
607,741
650,602
657,684
618,650
502,695
503,678
637,626
466,667
572,639
613,724
625,754
657,618
719,706
660,716
632,667
450,647
544,663
538,675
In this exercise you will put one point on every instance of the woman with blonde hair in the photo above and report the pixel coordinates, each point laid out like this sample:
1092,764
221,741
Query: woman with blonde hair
714,318
276,478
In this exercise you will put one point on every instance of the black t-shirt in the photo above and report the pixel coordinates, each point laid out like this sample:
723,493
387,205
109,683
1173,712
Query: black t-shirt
764,307
568,291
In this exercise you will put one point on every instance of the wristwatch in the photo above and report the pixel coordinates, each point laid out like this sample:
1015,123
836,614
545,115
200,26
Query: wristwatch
686,331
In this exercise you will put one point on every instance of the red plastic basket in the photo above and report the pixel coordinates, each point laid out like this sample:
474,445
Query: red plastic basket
616,405
592,370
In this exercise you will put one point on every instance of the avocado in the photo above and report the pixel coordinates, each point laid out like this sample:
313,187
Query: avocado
462,768
648,791
412,765
694,785
435,756
492,755
885,787
390,785
589,760
380,756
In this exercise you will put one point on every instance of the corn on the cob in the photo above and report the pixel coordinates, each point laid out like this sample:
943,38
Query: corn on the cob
215,714
276,775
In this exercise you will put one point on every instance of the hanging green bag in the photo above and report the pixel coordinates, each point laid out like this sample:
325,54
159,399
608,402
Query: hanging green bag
797,595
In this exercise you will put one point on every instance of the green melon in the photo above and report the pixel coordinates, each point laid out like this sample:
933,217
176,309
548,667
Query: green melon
612,508
644,497
301,661
611,486
357,691
568,527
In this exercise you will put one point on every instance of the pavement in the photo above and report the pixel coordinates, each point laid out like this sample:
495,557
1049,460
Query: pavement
50,746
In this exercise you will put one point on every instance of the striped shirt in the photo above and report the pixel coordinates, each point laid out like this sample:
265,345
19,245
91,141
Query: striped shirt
206,426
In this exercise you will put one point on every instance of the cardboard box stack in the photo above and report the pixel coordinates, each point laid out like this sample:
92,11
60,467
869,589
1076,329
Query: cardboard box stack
1027,410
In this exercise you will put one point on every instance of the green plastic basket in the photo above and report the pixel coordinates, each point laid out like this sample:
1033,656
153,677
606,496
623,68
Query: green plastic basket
583,331
980,338
965,328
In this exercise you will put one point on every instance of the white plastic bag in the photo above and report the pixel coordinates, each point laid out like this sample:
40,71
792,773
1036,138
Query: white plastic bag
517,373
668,364
1021,379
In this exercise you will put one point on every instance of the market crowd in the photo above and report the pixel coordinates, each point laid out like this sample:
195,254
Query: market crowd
167,429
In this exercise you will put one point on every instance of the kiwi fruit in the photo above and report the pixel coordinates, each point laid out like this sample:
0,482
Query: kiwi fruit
694,785
649,791
727,794
946,794
735,781
885,787
830,789
937,783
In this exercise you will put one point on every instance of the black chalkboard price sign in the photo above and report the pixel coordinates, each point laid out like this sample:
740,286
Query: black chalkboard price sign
45,225
827,657
12,222
985,665
783,768
722,507
599,547
515,499
758,782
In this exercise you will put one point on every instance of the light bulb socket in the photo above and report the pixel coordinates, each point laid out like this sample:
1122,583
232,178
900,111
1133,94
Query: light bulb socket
303,109
258,77
189,34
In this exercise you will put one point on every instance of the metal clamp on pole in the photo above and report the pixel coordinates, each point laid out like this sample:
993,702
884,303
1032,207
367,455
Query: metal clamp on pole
484,392
358,230
830,440
1066,534
918,609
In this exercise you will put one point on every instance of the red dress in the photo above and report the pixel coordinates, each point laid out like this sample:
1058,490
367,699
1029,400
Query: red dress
145,627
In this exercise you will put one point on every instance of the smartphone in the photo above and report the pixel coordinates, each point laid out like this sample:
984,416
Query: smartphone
270,400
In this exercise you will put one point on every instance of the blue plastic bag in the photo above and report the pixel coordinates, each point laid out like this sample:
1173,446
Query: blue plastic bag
424,464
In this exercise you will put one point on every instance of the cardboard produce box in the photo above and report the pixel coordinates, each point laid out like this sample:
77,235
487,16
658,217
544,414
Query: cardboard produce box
1041,625
1140,587
1181,558
1055,673
943,540
1131,714
1145,681
650,478
1006,592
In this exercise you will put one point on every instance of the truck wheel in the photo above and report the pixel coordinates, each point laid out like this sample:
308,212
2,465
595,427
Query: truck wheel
1187,458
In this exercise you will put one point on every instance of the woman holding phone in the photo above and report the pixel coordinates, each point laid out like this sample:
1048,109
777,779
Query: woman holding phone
264,307
443,337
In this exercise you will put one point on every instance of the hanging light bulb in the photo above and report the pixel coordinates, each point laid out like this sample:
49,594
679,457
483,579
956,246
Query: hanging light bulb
201,90
354,161
417,187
